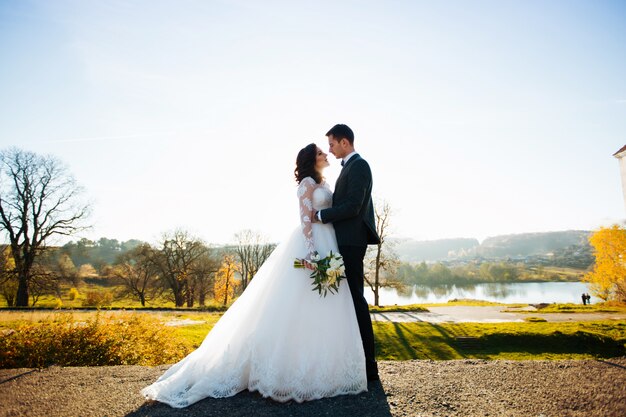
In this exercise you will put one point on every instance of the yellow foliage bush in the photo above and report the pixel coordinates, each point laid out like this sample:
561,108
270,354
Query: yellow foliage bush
132,339
73,294
97,299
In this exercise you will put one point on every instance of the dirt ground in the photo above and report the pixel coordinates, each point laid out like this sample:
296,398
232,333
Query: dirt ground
407,388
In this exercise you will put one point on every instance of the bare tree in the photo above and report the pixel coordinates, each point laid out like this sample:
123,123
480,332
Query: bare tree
175,260
138,272
39,198
45,277
252,250
203,275
381,261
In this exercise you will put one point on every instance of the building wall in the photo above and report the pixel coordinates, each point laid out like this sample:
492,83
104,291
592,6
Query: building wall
622,166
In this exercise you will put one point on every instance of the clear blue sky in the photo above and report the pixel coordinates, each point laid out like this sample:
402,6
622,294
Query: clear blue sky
478,118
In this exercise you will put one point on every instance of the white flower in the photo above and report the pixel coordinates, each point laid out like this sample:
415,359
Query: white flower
335,264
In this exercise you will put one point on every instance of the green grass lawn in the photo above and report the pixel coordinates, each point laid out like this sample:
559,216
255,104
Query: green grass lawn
533,340
541,340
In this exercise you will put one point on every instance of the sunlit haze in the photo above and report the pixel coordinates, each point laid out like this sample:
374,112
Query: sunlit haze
478,118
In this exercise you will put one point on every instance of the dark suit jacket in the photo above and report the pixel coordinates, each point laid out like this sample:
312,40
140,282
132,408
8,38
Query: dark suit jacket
352,213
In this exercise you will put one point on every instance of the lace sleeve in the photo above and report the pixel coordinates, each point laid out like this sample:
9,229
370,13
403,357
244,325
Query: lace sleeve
305,196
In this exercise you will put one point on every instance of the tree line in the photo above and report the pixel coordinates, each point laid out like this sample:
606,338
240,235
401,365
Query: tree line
40,199
179,268
471,273
185,270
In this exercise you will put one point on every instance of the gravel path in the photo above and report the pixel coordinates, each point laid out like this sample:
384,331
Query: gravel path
408,388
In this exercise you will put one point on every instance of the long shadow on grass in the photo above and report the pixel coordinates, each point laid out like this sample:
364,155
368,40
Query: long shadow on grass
448,349
402,341
404,344
450,336
370,404
577,343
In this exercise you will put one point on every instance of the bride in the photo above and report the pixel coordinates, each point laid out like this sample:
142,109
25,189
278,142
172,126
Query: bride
279,337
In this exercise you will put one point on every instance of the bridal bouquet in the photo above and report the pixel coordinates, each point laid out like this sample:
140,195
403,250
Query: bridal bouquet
329,271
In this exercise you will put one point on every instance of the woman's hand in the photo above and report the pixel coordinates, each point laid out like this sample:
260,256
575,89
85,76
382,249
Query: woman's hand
308,265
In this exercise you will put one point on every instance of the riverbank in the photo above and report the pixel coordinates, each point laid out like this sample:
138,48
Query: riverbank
409,388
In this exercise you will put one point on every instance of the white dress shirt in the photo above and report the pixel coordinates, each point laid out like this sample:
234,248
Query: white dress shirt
345,160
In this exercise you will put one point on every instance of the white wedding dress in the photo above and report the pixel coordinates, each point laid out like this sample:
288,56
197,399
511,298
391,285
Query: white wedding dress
279,337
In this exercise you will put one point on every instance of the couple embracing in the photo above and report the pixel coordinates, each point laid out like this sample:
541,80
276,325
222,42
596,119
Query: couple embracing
279,337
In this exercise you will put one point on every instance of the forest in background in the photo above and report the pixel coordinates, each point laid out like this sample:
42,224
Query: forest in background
179,270
183,271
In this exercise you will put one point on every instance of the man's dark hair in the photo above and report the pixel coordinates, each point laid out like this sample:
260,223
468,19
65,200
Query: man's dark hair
342,132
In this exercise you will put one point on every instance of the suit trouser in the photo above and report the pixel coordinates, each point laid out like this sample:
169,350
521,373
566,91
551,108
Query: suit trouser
353,261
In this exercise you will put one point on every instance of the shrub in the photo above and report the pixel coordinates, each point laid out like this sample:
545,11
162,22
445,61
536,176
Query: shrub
131,339
97,299
73,294
535,319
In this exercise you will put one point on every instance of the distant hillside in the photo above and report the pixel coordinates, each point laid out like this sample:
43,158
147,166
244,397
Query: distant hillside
505,246
432,250
532,243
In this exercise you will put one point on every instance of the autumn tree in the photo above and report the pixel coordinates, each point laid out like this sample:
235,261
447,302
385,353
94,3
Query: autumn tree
252,250
608,277
138,272
381,262
8,283
39,199
225,283
175,261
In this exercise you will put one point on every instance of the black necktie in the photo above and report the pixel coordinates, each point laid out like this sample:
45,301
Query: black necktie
342,162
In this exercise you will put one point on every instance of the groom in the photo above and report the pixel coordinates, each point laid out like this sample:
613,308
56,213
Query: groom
352,215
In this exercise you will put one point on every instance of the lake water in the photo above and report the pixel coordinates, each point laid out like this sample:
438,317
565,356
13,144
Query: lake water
521,292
